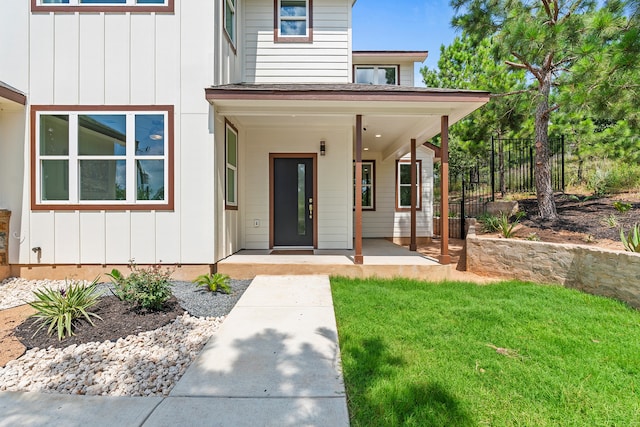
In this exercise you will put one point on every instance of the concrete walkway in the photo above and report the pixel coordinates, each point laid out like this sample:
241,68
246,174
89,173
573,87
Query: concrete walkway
275,361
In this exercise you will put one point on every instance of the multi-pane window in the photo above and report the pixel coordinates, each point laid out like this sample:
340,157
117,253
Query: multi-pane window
376,74
368,184
231,159
403,185
293,20
106,158
161,6
104,2
230,20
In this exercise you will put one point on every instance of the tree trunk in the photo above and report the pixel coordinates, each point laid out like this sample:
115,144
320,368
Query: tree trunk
544,189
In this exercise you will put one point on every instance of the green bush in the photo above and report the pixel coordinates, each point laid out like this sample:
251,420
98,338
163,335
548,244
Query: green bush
59,308
216,282
621,207
149,288
609,177
631,241
490,223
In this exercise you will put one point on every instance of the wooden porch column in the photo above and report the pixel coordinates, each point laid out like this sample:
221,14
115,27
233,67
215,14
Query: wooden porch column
358,258
444,257
414,196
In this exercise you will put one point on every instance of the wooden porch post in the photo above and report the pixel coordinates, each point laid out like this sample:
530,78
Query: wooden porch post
444,191
358,258
414,196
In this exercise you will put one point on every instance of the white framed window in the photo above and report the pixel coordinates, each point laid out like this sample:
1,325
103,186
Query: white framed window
368,184
111,157
103,5
376,74
231,161
403,185
293,20
230,20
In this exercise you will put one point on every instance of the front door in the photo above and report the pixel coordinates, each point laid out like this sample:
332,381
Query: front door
293,201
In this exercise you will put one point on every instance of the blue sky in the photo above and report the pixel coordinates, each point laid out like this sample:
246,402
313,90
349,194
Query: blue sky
403,25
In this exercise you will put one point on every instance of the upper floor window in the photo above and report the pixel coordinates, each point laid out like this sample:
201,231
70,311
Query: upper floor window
376,74
230,20
111,158
293,20
102,5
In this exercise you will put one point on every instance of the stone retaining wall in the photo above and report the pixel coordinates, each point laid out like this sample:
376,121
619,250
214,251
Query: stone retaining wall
597,271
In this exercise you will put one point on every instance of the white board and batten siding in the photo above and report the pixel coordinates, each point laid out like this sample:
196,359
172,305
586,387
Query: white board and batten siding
385,221
334,172
326,60
122,59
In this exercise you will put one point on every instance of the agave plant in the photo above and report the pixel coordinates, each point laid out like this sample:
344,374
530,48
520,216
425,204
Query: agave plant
216,282
631,241
59,308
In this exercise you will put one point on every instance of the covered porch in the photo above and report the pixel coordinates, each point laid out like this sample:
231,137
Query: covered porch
381,258
337,130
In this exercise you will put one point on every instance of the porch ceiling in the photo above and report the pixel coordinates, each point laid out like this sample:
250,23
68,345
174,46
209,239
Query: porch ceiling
392,115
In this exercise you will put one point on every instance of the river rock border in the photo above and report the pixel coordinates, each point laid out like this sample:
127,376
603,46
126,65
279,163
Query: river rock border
597,271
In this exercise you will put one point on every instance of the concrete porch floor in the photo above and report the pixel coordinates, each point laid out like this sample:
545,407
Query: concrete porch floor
381,259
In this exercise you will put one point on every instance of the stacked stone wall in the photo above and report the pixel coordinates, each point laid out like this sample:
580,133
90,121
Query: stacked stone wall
597,271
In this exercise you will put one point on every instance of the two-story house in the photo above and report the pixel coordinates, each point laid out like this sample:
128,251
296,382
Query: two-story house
181,131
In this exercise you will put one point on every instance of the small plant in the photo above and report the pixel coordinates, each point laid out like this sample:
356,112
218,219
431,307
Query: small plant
631,241
489,222
533,237
59,308
148,288
621,207
216,282
610,221
505,227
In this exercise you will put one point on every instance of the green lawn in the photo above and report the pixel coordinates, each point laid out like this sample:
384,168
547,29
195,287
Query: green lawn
459,354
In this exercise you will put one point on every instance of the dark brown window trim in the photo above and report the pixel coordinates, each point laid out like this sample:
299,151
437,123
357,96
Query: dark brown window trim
398,208
373,196
224,27
168,8
276,28
377,65
226,206
168,206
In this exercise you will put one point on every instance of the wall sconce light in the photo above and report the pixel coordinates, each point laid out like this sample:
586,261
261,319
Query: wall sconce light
323,148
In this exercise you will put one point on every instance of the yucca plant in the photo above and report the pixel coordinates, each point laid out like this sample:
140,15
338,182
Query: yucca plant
505,227
59,308
216,282
631,241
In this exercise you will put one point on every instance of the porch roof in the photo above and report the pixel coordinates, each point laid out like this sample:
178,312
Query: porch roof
9,93
393,115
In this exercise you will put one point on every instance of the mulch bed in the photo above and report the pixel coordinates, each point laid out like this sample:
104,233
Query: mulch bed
584,215
119,319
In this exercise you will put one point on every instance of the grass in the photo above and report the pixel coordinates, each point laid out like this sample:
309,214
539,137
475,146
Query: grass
508,354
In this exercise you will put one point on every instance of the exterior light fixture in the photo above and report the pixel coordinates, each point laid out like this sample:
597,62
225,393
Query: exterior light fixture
378,135
323,148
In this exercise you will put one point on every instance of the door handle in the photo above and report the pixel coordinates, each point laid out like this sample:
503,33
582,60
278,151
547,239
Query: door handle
310,208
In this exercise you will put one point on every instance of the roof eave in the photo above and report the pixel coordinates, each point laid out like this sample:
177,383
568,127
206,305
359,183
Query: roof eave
12,94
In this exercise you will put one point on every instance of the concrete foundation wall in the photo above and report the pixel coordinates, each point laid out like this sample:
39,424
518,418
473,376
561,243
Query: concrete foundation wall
597,271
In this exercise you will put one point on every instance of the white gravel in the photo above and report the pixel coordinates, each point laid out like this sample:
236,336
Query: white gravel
146,364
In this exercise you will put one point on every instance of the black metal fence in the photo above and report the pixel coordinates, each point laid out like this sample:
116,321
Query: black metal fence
508,168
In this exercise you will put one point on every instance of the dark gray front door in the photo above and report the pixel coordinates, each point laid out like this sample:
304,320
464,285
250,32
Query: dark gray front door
293,202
